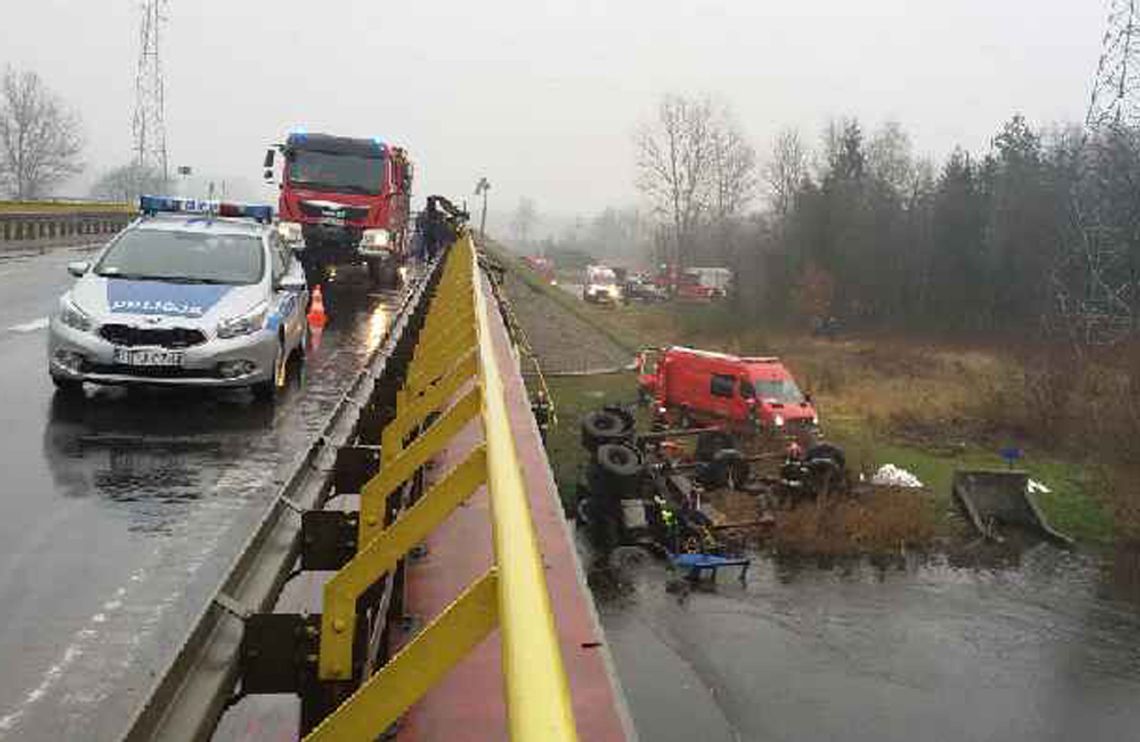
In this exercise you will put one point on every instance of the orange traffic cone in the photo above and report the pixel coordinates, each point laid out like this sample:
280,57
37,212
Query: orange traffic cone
317,316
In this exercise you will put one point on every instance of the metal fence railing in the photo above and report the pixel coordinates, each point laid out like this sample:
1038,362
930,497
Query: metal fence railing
453,379
38,223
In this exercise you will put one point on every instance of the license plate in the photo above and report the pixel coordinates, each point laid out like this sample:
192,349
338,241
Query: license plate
147,357
333,221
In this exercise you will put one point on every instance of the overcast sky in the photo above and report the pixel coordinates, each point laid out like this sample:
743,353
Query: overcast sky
543,97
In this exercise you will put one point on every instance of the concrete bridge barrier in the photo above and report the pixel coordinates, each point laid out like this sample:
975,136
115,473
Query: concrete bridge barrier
32,226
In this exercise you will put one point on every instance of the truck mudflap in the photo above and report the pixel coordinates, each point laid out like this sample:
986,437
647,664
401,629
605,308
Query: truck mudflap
1002,497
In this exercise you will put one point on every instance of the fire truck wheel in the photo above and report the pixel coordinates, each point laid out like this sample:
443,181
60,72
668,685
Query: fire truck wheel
602,426
618,460
826,451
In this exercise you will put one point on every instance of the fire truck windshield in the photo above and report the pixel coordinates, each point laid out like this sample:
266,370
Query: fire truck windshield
324,171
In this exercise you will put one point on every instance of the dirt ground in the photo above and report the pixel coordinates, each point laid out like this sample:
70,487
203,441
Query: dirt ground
563,342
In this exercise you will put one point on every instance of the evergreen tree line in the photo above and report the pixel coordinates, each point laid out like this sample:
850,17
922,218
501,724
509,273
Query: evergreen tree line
1041,233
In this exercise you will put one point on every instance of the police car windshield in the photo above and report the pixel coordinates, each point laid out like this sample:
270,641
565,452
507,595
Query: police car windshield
324,171
783,391
184,257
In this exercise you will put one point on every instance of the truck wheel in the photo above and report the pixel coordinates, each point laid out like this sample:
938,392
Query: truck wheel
827,451
619,460
603,426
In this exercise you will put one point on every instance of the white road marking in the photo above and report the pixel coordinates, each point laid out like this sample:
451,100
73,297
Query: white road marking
33,326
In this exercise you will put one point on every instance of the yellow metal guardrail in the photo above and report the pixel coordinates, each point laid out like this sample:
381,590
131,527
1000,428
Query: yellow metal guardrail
64,207
452,380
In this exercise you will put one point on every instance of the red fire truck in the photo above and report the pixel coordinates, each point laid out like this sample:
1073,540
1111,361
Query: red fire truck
344,201
692,386
693,284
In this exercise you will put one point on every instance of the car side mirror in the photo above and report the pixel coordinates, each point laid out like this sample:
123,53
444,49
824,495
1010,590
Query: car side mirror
78,268
269,153
292,283
807,397
268,175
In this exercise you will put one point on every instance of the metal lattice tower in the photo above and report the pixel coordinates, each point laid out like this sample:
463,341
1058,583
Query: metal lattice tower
1093,286
149,124
1115,97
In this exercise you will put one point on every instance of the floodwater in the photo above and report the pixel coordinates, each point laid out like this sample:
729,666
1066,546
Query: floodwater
1039,646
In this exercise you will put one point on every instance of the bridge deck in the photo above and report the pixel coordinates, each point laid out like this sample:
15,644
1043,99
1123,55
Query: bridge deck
468,704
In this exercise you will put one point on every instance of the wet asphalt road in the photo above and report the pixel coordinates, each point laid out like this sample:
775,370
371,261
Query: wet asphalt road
1044,648
119,515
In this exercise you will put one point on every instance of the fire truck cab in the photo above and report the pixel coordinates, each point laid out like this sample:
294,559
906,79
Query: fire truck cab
690,386
344,201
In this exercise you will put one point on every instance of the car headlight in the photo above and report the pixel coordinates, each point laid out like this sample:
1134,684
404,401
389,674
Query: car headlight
779,420
244,324
815,420
290,233
74,317
374,238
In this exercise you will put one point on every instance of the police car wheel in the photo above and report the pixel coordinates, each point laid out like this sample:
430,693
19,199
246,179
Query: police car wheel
267,390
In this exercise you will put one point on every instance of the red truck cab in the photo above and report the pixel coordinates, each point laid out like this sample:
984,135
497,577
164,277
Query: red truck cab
344,201
692,386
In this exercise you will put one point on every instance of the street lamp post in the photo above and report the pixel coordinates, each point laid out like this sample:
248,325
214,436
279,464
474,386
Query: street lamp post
481,188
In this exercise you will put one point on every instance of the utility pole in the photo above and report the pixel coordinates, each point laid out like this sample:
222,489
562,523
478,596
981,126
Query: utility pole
149,123
481,188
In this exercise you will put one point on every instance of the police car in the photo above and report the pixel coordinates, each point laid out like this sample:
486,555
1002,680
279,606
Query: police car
196,293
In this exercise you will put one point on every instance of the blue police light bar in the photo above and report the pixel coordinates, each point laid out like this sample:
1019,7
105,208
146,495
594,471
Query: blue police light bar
151,205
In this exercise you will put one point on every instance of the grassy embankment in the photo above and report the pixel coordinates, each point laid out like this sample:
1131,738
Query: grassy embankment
928,409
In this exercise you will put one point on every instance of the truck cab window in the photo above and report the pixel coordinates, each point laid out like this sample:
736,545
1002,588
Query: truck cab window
721,385
747,391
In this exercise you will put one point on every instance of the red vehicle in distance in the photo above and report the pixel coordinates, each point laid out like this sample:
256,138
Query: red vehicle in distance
344,201
745,394
693,284
543,267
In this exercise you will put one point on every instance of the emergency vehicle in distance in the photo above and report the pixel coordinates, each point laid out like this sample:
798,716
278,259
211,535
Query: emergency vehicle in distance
694,284
192,293
693,387
601,285
542,267
344,201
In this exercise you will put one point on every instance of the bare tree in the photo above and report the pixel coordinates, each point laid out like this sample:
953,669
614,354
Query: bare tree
675,165
889,158
128,182
733,166
524,219
785,171
40,139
